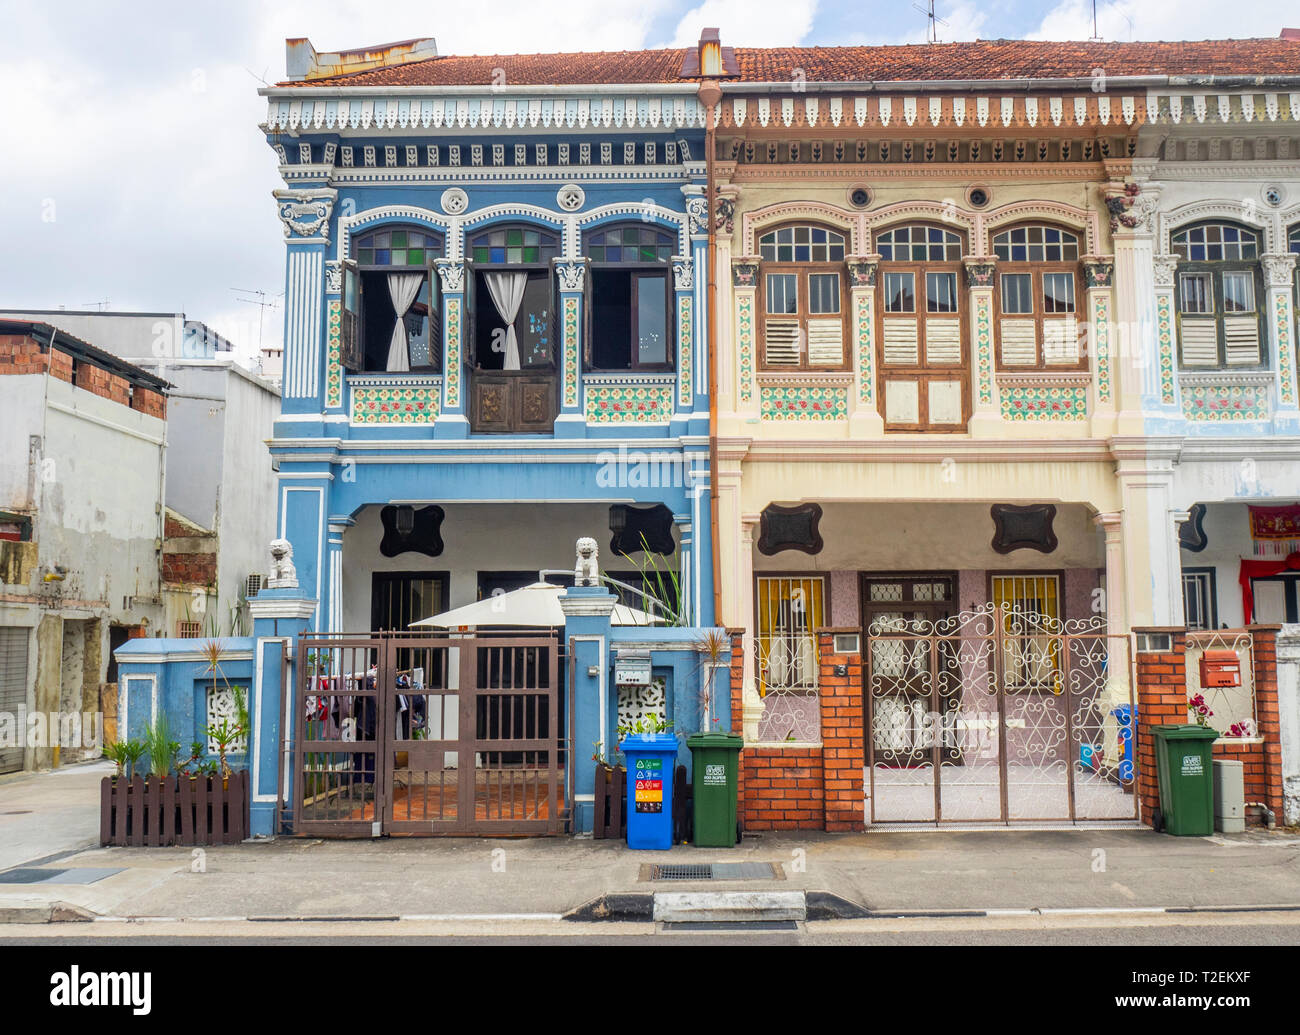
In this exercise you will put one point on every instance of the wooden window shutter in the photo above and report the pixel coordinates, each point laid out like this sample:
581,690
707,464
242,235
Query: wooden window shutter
825,341
351,347
1199,336
1241,340
781,341
1019,342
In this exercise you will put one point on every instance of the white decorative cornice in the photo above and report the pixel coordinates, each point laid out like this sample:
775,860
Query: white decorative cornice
665,106
305,213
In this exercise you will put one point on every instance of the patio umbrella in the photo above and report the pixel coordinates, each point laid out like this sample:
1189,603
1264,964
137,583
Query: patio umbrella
537,605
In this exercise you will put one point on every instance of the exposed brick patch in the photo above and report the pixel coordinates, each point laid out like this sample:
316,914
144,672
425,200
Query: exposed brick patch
198,568
152,403
784,789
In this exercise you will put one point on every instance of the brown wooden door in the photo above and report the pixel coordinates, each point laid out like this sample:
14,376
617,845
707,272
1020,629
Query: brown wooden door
910,676
512,401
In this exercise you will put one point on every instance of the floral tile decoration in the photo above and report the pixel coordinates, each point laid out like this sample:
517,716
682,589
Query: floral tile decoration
685,347
396,404
1024,403
629,403
866,350
803,402
745,336
1225,402
334,366
570,351
1165,334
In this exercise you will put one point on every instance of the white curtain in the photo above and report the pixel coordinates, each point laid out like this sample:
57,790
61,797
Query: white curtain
507,290
402,288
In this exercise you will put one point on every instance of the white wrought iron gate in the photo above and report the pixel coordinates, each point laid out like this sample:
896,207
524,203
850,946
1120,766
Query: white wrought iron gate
998,715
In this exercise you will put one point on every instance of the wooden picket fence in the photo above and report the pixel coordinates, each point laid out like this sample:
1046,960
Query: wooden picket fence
152,812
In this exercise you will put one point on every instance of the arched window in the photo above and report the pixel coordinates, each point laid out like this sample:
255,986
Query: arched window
922,328
511,297
803,287
391,301
1038,290
631,326
1218,289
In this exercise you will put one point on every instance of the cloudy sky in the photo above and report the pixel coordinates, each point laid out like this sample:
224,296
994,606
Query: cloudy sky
133,174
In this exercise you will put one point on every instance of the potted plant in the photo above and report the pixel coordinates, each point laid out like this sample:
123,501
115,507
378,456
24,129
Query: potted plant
226,734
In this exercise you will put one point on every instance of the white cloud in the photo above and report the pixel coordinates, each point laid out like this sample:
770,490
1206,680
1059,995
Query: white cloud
1186,20
749,23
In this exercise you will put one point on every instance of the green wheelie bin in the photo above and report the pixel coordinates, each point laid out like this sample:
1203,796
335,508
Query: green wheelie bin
715,761
1186,778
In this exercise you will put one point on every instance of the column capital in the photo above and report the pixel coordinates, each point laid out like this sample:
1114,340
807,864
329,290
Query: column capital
1098,271
683,272
980,270
305,213
1110,523
863,270
1165,267
1278,269
744,272
1132,207
572,274
451,272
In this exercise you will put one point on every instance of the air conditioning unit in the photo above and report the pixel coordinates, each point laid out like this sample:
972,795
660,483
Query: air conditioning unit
253,585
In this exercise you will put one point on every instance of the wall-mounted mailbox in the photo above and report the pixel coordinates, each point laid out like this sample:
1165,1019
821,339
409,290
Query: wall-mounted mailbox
1220,668
632,668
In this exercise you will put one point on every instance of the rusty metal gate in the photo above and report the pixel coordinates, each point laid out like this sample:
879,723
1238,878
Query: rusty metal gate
997,715
425,735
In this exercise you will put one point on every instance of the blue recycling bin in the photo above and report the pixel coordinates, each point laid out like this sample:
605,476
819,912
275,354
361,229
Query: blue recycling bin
1126,716
651,761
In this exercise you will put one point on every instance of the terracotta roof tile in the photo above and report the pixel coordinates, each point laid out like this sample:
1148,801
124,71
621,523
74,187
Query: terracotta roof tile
983,59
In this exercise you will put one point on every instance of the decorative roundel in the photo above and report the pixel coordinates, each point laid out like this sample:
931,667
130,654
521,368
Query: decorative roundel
454,201
1274,194
570,197
977,197
859,197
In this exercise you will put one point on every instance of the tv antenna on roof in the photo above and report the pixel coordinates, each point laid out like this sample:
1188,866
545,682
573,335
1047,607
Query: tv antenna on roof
1096,37
932,33
263,305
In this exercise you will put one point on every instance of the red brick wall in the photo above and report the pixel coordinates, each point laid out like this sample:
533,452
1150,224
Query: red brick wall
1162,699
783,789
737,707
61,366
102,383
190,567
21,354
843,747
152,403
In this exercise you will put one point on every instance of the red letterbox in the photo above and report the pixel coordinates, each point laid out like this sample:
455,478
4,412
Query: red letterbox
1220,668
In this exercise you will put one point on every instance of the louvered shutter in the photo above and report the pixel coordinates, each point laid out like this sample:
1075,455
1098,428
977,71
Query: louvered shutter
13,688
901,348
825,341
1019,344
781,342
1241,340
1061,340
1200,340
943,341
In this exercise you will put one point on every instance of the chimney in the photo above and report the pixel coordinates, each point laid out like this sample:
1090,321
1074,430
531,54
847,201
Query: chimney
1290,34
710,47
710,59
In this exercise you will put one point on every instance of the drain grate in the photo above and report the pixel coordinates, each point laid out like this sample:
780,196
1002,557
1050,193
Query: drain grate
713,871
43,875
681,872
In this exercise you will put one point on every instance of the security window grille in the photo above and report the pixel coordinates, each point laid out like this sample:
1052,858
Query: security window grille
189,630
1200,611
1219,283
1038,290
1030,608
13,690
790,610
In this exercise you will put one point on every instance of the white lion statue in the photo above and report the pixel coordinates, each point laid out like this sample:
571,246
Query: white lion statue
586,572
283,574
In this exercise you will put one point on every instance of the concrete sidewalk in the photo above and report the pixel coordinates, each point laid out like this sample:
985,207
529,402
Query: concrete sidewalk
54,816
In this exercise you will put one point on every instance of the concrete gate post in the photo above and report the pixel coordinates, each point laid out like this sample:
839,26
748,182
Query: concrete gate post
587,611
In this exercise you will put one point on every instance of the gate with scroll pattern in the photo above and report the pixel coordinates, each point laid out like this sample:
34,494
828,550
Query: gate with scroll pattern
997,715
